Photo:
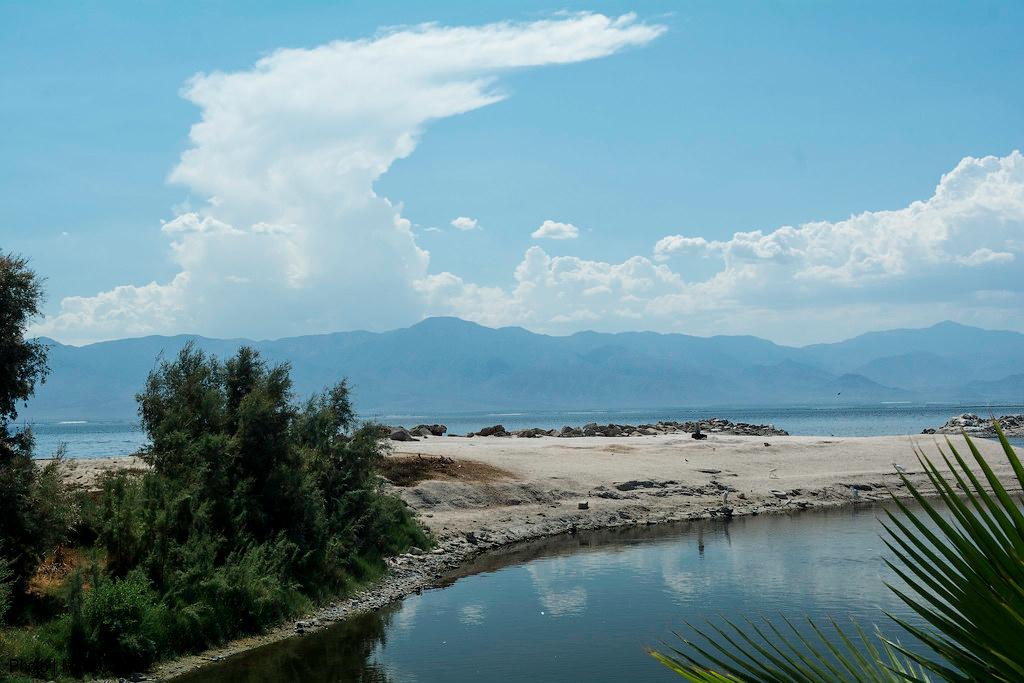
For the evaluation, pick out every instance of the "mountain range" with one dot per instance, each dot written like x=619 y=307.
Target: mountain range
x=447 y=364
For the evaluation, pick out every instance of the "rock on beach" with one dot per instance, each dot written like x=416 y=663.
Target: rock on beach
x=973 y=425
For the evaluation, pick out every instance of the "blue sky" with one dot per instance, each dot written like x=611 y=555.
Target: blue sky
x=723 y=118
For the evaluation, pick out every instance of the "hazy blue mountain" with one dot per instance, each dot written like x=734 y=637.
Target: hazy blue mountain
x=978 y=354
x=447 y=364
x=1006 y=390
x=920 y=371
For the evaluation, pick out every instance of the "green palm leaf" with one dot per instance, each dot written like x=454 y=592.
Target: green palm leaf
x=778 y=655
x=964 y=575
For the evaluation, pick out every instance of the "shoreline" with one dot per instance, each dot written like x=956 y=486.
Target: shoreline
x=532 y=489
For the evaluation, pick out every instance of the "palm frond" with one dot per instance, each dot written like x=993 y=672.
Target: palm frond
x=783 y=655
x=964 y=570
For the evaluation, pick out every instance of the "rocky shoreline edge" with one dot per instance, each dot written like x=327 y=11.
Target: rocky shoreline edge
x=419 y=570
x=713 y=425
x=1012 y=426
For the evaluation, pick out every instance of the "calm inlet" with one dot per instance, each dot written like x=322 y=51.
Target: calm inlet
x=584 y=607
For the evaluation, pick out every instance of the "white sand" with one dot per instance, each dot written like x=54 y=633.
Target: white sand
x=549 y=476
x=550 y=471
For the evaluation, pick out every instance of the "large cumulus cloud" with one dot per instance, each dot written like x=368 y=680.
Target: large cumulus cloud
x=291 y=237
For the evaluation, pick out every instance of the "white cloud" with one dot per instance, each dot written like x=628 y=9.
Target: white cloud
x=289 y=235
x=464 y=223
x=554 y=230
x=194 y=223
x=977 y=209
x=909 y=266
x=286 y=154
x=672 y=244
x=980 y=257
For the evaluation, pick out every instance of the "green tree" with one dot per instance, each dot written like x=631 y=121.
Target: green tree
x=22 y=361
x=256 y=504
x=34 y=506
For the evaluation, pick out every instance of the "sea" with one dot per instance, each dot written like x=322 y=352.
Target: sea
x=105 y=438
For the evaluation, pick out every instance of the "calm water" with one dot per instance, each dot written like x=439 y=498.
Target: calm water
x=584 y=607
x=87 y=439
x=98 y=439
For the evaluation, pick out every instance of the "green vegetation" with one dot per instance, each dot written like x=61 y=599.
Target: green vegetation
x=255 y=507
x=31 y=504
x=965 y=574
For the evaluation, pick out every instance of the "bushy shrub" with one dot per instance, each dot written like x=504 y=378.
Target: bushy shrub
x=117 y=626
x=249 y=591
x=6 y=588
x=37 y=508
x=255 y=505
x=36 y=652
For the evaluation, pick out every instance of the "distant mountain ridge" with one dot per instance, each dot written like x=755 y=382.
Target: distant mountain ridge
x=448 y=364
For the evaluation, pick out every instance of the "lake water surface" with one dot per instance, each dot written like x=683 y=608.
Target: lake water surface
x=584 y=607
x=92 y=439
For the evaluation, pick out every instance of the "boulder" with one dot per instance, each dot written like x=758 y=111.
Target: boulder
x=402 y=434
x=531 y=433
x=432 y=430
x=496 y=430
x=973 y=425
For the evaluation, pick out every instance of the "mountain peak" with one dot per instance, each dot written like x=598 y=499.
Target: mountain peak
x=442 y=322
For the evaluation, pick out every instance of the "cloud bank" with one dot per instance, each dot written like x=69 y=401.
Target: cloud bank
x=954 y=255
x=291 y=237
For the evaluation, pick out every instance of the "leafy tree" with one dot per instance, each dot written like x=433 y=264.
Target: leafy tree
x=22 y=361
x=255 y=504
x=34 y=505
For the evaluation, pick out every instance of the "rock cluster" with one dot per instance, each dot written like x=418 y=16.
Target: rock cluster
x=699 y=428
x=713 y=425
x=429 y=430
x=1013 y=425
x=403 y=434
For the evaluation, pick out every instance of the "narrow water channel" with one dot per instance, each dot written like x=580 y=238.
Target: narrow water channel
x=584 y=607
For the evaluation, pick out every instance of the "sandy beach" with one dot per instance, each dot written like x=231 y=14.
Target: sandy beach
x=483 y=493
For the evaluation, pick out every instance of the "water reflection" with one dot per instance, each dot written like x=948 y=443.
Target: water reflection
x=584 y=606
x=347 y=655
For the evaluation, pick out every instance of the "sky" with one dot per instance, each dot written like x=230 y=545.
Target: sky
x=800 y=171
